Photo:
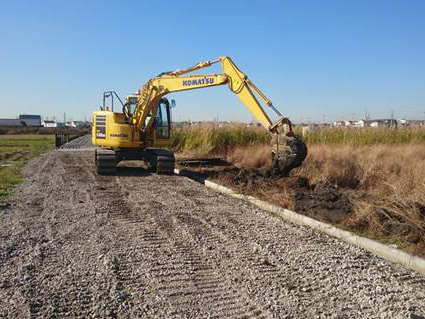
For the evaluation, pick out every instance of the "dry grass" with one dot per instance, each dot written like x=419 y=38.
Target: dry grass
x=388 y=184
x=366 y=136
x=382 y=170
x=213 y=140
x=251 y=156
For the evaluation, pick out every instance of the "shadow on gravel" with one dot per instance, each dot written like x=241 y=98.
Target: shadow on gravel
x=195 y=176
x=132 y=171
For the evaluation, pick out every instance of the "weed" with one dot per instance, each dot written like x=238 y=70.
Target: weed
x=15 y=150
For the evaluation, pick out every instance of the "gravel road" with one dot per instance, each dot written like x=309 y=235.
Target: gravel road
x=82 y=142
x=138 y=245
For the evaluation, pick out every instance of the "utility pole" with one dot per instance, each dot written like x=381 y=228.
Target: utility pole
x=366 y=115
x=392 y=117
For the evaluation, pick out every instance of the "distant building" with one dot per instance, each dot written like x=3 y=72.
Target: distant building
x=363 y=123
x=338 y=124
x=70 y=124
x=12 y=123
x=412 y=122
x=383 y=123
x=350 y=123
x=22 y=121
x=31 y=120
x=48 y=123
x=82 y=124
x=344 y=123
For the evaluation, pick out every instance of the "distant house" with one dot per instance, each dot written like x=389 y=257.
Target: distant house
x=338 y=124
x=412 y=122
x=383 y=123
x=31 y=120
x=363 y=123
x=350 y=123
x=376 y=124
x=82 y=124
x=70 y=124
x=48 y=123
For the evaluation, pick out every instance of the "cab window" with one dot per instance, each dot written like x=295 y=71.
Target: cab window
x=162 y=120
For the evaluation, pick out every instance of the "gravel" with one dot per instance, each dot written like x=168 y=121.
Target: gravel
x=82 y=142
x=141 y=245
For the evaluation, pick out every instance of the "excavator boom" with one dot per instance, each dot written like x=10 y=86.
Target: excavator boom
x=238 y=82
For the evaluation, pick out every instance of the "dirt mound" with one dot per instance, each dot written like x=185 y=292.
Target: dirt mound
x=322 y=201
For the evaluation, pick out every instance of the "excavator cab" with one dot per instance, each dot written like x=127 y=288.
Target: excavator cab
x=162 y=124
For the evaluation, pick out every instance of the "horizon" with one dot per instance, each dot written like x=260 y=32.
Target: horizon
x=216 y=120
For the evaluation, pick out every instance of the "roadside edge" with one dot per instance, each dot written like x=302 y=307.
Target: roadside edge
x=384 y=251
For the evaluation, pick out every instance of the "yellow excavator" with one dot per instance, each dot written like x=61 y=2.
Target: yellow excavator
x=142 y=130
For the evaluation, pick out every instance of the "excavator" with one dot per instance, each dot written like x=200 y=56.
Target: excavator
x=142 y=130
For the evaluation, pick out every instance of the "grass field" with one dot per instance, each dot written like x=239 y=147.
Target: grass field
x=213 y=140
x=366 y=136
x=387 y=184
x=15 y=150
x=209 y=139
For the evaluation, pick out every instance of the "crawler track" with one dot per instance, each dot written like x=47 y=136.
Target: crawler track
x=141 y=245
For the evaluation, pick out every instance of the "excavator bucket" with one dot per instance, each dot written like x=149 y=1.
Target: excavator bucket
x=288 y=153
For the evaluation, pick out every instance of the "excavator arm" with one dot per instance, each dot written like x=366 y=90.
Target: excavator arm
x=288 y=149
x=238 y=82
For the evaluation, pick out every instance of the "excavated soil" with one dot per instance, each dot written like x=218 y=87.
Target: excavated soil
x=323 y=201
x=138 y=245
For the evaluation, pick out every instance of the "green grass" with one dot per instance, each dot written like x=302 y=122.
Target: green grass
x=15 y=151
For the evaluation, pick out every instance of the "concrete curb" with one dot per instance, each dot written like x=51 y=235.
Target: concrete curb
x=387 y=252
x=75 y=149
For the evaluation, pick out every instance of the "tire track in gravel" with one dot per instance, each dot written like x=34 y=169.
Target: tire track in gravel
x=139 y=245
x=297 y=280
x=23 y=273
x=72 y=296
x=272 y=267
x=184 y=275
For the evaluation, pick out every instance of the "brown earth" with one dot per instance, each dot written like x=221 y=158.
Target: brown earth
x=323 y=201
x=138 y=245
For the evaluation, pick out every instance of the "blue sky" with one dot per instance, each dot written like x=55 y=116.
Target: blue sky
x=314 y=59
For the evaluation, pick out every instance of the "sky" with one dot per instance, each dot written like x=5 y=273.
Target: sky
x=316 y=60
